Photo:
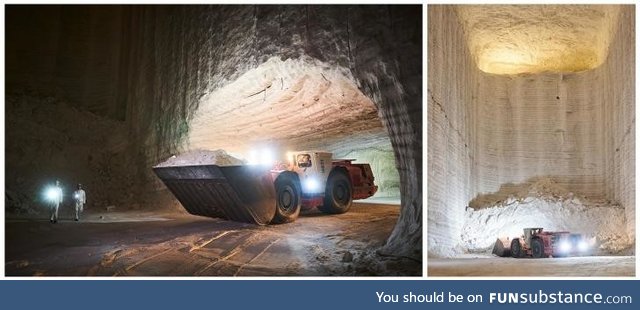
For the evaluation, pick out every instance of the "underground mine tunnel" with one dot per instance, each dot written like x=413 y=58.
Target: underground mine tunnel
x=99 y=95
x=531 y=123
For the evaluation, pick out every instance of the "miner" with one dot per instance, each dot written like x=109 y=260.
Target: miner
x=80 y=199
x=55 y=198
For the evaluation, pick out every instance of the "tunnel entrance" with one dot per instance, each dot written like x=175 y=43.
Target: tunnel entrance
x=293 y=105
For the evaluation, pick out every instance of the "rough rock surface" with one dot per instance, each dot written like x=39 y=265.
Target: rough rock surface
x=619 y=77
x=382 y=164
x=489 y=134
x=450 y=153
x=158 y=68
x=512 y=39
x=48 y=139
x=286 y=104
x=542 y=125
x=130 y=245
x=483 y=265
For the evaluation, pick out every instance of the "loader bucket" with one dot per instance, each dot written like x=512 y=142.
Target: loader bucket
x=502 y=247
x=237 y=193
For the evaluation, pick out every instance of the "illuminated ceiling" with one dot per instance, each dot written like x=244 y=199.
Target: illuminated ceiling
x=296 y=104
x=513 y=39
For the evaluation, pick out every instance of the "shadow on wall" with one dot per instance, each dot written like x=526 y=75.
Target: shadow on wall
x=541 y=186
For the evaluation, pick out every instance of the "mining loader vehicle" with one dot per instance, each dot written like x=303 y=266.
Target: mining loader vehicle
x=270 y=195
x=537 y=243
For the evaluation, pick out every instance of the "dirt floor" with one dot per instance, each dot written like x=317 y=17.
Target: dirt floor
x=491 y=266
x=151 y=244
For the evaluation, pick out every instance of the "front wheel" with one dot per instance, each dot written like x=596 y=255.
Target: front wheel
x=537 y=248
x=288 y=199
x=338 y=194
x=516 y=248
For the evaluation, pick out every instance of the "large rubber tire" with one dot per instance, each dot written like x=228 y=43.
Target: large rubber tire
x=288 y=199
x=338 y=196
x=516 y=248
x=537 y=248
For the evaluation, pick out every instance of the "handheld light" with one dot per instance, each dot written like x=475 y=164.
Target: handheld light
x=51 y=194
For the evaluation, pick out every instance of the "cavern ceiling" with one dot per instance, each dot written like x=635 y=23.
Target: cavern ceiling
x=514 y=39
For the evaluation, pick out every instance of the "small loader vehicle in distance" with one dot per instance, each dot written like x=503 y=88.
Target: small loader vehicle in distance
x=265 y=195
x=537 y=243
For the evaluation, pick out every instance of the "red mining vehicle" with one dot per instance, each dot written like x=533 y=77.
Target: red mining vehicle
x=537 y=243
x=263 y=195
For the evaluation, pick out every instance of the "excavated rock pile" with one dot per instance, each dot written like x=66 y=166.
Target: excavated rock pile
x=546 y=204
x=202 y=157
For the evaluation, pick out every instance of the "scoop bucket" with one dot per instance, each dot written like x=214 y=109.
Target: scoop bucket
x=502 y=247
x=237 y=193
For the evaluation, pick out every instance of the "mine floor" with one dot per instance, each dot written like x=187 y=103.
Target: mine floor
x=151 y=244
x=490 y=266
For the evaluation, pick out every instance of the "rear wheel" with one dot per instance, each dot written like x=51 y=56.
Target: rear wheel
x=287 y=199
x=537 y=248
x=338 y=194
x=516 y=248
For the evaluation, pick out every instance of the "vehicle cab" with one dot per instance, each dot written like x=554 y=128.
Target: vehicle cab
x=313 y=168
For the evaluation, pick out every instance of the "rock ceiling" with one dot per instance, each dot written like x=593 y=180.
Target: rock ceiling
x=513 y=39
x=286 y=104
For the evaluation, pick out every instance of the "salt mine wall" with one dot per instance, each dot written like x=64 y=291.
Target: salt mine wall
x=538 y=126
x=618 y=110
x=451 y=81
x=491 y=136
x=72 y=53
x=65 y=111
x=149 y=68
x=382 y=163
x=574 y=128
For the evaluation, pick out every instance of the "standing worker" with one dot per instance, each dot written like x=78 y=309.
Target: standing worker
x=54 y=194
x=80 y=198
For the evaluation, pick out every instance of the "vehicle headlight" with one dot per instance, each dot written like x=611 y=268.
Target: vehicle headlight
x=311 y=185
x=565 y=246
x=583 y=245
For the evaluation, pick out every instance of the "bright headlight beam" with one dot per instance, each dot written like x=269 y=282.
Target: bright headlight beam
x=266 y=157
x=311 y=185
x=253 y=158
x=583 y=246
x=565 y=246
x=263 y=157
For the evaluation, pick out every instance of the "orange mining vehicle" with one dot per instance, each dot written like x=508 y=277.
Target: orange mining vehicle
x=537 y=243
x=264 y=195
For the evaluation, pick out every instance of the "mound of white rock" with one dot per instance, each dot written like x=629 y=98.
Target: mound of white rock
x=544 y=204
x=202 y=157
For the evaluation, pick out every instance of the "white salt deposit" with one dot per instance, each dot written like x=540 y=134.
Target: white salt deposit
x=202 y=157
x=546 y=205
